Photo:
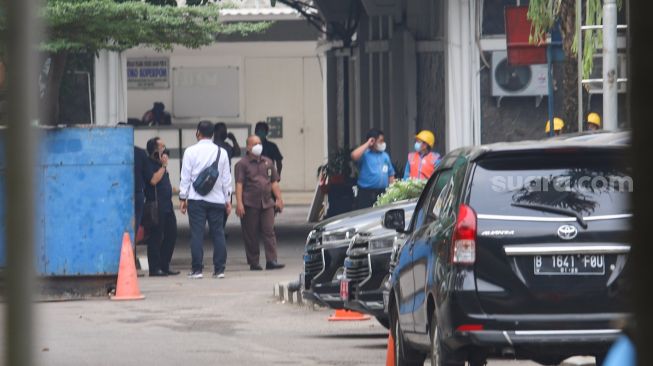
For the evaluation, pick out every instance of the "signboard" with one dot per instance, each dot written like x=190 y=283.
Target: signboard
x=276 y=127
x=518 y=30
x=148 y=73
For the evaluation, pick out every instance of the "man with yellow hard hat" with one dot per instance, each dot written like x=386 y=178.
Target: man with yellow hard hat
x=422 y=162
x=593 y=122
x=558 y=125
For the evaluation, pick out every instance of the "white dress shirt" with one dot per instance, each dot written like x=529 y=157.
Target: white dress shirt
x=197 y=158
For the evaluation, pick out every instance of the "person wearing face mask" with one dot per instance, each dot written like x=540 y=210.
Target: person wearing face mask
x=212 y=206
x=256 y=181
x=270 y=149
x=421 y=163
x=375 y=169
x=162 y=231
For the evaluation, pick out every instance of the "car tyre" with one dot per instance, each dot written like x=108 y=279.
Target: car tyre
x=405 y=355
x=440 y=354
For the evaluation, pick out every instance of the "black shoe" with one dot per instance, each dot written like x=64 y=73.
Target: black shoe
x=274 y=265
x=255 y=267
x=171 y=272
x=158 y=273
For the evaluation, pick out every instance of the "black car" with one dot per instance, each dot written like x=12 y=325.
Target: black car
x=367 y=268
x=326 y=249
x=515 y=250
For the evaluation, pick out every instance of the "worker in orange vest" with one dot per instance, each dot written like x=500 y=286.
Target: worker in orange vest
x=421 y=163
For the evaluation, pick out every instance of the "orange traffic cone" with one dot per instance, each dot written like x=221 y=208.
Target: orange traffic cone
x=127 y=286
x=347 y=315
x=390 y=354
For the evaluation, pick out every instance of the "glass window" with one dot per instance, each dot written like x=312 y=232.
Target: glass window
x=493 y=15
x=421 y=216
x=590 y=183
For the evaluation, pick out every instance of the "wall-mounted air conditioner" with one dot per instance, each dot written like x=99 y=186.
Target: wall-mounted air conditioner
x=517 y=81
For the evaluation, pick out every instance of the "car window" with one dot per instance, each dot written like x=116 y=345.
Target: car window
x=421 y=216
x=592 y=184
x=444 y=201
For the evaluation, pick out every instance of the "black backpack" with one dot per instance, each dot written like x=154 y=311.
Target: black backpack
x=206 y=179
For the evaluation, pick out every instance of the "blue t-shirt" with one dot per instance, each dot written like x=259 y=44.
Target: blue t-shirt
x=374 y=169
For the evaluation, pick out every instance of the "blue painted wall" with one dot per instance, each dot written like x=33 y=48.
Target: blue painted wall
x=85 y=197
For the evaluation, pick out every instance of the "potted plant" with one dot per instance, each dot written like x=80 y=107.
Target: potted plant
x=336 y=181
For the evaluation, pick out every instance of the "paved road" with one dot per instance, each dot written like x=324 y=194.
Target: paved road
x=234 y=321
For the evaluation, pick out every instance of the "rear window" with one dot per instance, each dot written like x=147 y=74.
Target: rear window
x=590 y=183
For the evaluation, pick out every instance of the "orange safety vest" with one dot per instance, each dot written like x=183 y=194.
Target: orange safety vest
x=422 y=167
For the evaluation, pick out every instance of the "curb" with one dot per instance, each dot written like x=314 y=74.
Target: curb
x=284 y=295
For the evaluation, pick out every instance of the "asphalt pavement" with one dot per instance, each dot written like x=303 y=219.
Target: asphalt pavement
x=231 y=321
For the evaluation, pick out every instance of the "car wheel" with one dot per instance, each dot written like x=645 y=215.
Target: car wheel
x=384 y=321
x=440 y=354
x=405 y=355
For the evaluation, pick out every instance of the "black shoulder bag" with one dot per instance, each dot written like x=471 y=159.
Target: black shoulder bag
x=206 y=179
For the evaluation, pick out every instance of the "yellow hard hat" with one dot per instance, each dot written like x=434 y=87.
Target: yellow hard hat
x=426 y=136
x=594 y=118
x=558 y=124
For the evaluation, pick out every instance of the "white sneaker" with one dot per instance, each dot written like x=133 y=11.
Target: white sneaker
x=218 y=275
x=195 y=275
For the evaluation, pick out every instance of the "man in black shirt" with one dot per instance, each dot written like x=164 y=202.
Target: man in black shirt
x=270 y=149
x=162 y=236
x=220 y=136
x=142 y=176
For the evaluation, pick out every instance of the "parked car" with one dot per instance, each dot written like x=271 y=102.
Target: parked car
x=326 y=249
x=367 y=268
x=515 y=250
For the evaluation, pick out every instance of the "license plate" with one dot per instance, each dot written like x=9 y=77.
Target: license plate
x=344 y=289
x=572 y=264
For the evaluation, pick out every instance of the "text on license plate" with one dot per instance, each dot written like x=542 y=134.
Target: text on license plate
x=569 y=264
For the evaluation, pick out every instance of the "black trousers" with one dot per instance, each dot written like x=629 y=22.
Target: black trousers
x=367 y=197
x=161 y=242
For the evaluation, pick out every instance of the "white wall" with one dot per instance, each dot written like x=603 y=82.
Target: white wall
x=276 y=79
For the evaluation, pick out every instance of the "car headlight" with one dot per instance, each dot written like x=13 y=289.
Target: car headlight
x=338 y=237
x=382 y=243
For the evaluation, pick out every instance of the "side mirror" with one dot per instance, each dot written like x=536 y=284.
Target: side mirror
x=395 y=220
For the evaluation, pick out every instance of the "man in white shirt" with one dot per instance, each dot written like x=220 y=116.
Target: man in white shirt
x=212 y=207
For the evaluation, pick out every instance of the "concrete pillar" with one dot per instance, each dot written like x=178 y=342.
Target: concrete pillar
x=402 y=93
x=610 y=87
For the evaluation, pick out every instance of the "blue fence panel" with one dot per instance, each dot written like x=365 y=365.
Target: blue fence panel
x=85 y=200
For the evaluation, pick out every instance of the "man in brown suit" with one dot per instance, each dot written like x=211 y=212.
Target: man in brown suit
x=256 y=180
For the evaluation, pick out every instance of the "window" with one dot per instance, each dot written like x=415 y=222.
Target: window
x=427 y=201
x=494 y=23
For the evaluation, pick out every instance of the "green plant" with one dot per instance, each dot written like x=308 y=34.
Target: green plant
x=401 y=190
x=544 y=13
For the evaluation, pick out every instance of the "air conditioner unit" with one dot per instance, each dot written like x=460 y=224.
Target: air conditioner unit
x=517 y=81
x=597 y=73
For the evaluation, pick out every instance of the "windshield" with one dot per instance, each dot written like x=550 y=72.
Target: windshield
x=594 y=185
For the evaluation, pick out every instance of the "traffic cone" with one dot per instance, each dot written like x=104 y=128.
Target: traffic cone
x=390 y=354
x=347 y=315
x=127 y=286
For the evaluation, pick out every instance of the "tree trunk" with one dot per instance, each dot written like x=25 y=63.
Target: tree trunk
x=50 y=101
x=570 y=82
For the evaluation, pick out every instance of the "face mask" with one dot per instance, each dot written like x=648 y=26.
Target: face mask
x=418 y=146
x=261 y=134
x=257 y=149
x=380 y=146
